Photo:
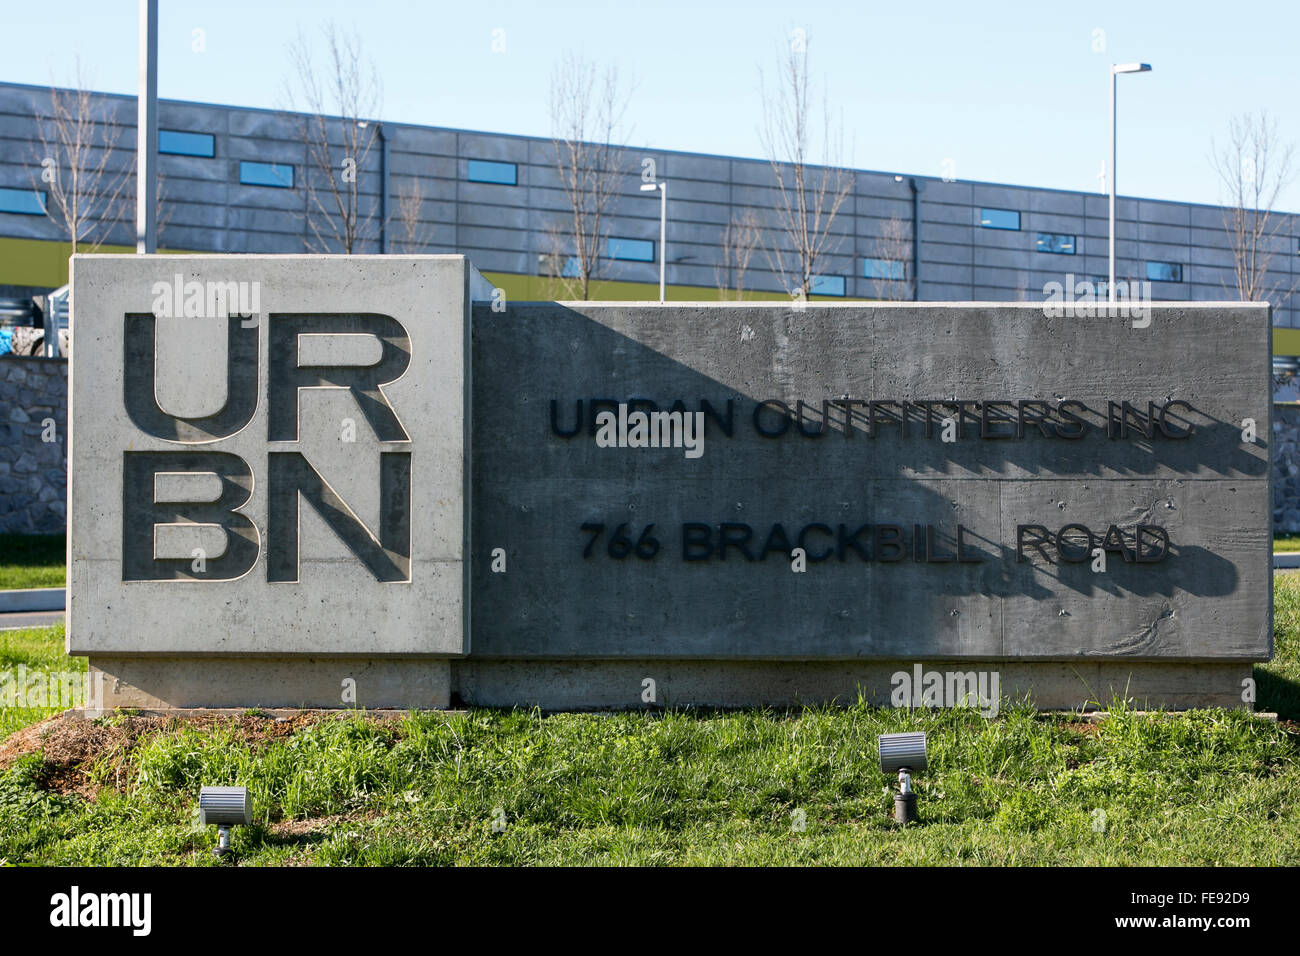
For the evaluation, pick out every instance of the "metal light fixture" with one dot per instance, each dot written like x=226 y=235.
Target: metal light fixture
x=225 y=807
x=903 y=754
x=1115 y=70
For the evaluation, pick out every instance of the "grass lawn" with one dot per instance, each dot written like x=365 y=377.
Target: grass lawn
x=32 y=561
x=1286 y=542
x=36 y=648
x=684 y=787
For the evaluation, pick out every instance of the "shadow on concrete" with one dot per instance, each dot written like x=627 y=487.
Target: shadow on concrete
x=539 y=476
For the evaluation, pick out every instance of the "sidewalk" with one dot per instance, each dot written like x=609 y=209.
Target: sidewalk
x=29 y=619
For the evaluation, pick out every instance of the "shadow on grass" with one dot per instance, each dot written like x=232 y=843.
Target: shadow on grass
x=32 y=560
x=1277 y=693
x=259 y=837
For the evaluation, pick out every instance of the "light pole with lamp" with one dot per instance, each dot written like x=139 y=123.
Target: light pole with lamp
x=663 y=228
x=146 y=144
x=1115 y=70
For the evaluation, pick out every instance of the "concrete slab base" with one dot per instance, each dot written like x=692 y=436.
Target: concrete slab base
x=377 y=683
x=371 y=683
x=621 y=685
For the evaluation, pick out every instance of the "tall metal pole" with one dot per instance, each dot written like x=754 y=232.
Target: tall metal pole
x=663 y=236
x=146 y=147
x=917 y=188
x=1110 y=282
x=383 y=188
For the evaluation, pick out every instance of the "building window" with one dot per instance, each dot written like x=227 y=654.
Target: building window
x=884 y=269
x=633 y=250
x=1000 y=219
x=486 y=171
x=827 y=285
x=279 y=175
x=554 y=266
x=1055 y=242
x=25 y=202
x=186 y=144
x=1164 y=272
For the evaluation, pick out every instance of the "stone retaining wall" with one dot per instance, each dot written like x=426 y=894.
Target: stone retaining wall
x=33 y=444
x=1286 y=468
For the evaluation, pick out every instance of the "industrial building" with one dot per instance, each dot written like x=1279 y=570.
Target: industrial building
x=234 y=180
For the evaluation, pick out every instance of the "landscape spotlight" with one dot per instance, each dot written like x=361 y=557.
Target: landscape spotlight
x=903 y=754
x=224 y=807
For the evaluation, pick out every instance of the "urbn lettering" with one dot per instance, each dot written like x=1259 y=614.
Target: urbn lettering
x=290 y=477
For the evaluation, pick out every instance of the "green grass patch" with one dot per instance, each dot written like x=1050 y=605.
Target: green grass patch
x=1286 y=542
x=28 y=655
x=753 y=787
x=1278 y=681
x=33 y=561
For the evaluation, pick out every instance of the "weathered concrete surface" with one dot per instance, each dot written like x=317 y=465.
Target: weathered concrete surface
x=560 y=630
x=134 y=587
x=1210 y=600
x=363 y=682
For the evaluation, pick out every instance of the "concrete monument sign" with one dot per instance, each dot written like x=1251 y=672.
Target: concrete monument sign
x=957 y=483
x=267 y=458
x=714 y=504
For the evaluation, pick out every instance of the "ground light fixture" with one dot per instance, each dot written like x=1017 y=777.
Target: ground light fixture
x=903 y=754
x=224 y=807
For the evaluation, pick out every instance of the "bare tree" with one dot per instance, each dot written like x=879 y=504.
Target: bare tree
x=740 y=237
x=337 y=132
x=892 y=248
x=808 y=197
x=557 y=266
x=413 y=233
x=1253 y=168
x=587 y=108
x=75 y=148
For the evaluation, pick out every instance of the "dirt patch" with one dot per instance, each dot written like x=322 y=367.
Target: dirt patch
x=289 y=829
x=1083 y=728
x=70 y=744
x=297 y=829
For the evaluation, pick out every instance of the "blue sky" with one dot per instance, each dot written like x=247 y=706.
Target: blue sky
x=1009 y=92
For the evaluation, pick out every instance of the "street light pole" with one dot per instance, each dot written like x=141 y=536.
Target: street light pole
x=663 y=236
x=146 y=144
x=1115 y=70
x=1110 y=272
x=663 y=229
